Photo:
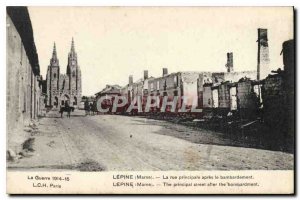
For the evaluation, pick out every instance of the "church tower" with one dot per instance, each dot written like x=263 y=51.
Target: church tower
x=74 y=74
x=53 y=79
x=72 y=68
x=62 y=88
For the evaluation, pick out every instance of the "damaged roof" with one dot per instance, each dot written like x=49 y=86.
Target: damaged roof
x=110 y=89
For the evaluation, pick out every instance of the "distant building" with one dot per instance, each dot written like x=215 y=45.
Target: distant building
x=62 y=88
x=189 y=85
x=139 y=88
x=107 y=95
x=109 y=90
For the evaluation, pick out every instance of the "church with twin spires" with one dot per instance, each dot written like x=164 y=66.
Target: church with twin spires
x=62 y=88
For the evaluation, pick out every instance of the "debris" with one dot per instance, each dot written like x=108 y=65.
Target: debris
x=24 y=153
x=28 y=144
x=90 y=165
x=51 y=144
x=28 y=129
x=34 y=132
x=10 y=155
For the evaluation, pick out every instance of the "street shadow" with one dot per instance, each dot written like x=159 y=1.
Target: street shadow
x=41 y=117
x=59 y=117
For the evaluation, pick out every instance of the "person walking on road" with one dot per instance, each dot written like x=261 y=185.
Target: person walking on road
x=86 y=107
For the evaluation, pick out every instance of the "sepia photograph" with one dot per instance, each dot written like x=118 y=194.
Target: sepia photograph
x=97 y=90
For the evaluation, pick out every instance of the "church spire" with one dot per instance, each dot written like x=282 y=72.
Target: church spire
x=72 y=53
x=72 y=58
x=54 y=60
x=72 y=46
x=54 y=55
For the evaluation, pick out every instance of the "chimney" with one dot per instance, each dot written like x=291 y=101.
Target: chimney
x=130 y=80
x=229 y=64
x=263 y=59
x=146 y=74
x=165 y=71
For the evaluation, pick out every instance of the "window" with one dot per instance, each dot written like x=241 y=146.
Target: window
x=176 y=93
x=73 y=74
x=175 y=79
x=24 y=99
x=75 y=101
x=54 y=75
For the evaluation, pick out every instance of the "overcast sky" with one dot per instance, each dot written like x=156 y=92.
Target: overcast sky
x=114 y=42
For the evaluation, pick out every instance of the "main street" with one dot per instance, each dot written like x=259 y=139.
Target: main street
x=113 y=142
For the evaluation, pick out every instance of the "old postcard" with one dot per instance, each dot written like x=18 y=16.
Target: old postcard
x=150 y=100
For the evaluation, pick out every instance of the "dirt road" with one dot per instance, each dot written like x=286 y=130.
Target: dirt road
x=111 y=142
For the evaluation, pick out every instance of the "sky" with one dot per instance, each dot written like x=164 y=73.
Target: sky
x=115 y=42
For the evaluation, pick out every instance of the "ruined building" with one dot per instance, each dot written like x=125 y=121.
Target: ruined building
x=223 y=91
x=288 y=52
x=217 y=89
x=278 y=95
x=62 y=88
x=263 y=59
x=229 y=64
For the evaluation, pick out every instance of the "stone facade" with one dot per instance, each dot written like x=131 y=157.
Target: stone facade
x=288 y=52
x=175 y=85
x=22 y=77
x=274 y=99
x=207 y=96
x=224 y=95
x=189 y=85
x=62 y=88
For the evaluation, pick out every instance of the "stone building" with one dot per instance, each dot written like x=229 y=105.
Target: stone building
x=109 y=91
x=139 y=88
x=278 y=96
x=176 y=84
x=107 y=96
x=62 y=88
x=274 y=100
x=224 y=95
x=43 y=95
x=278 y=92
x=215 y=88
x=189 y=85
x=220 y=89
x=288 y=52
x=22 y=76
